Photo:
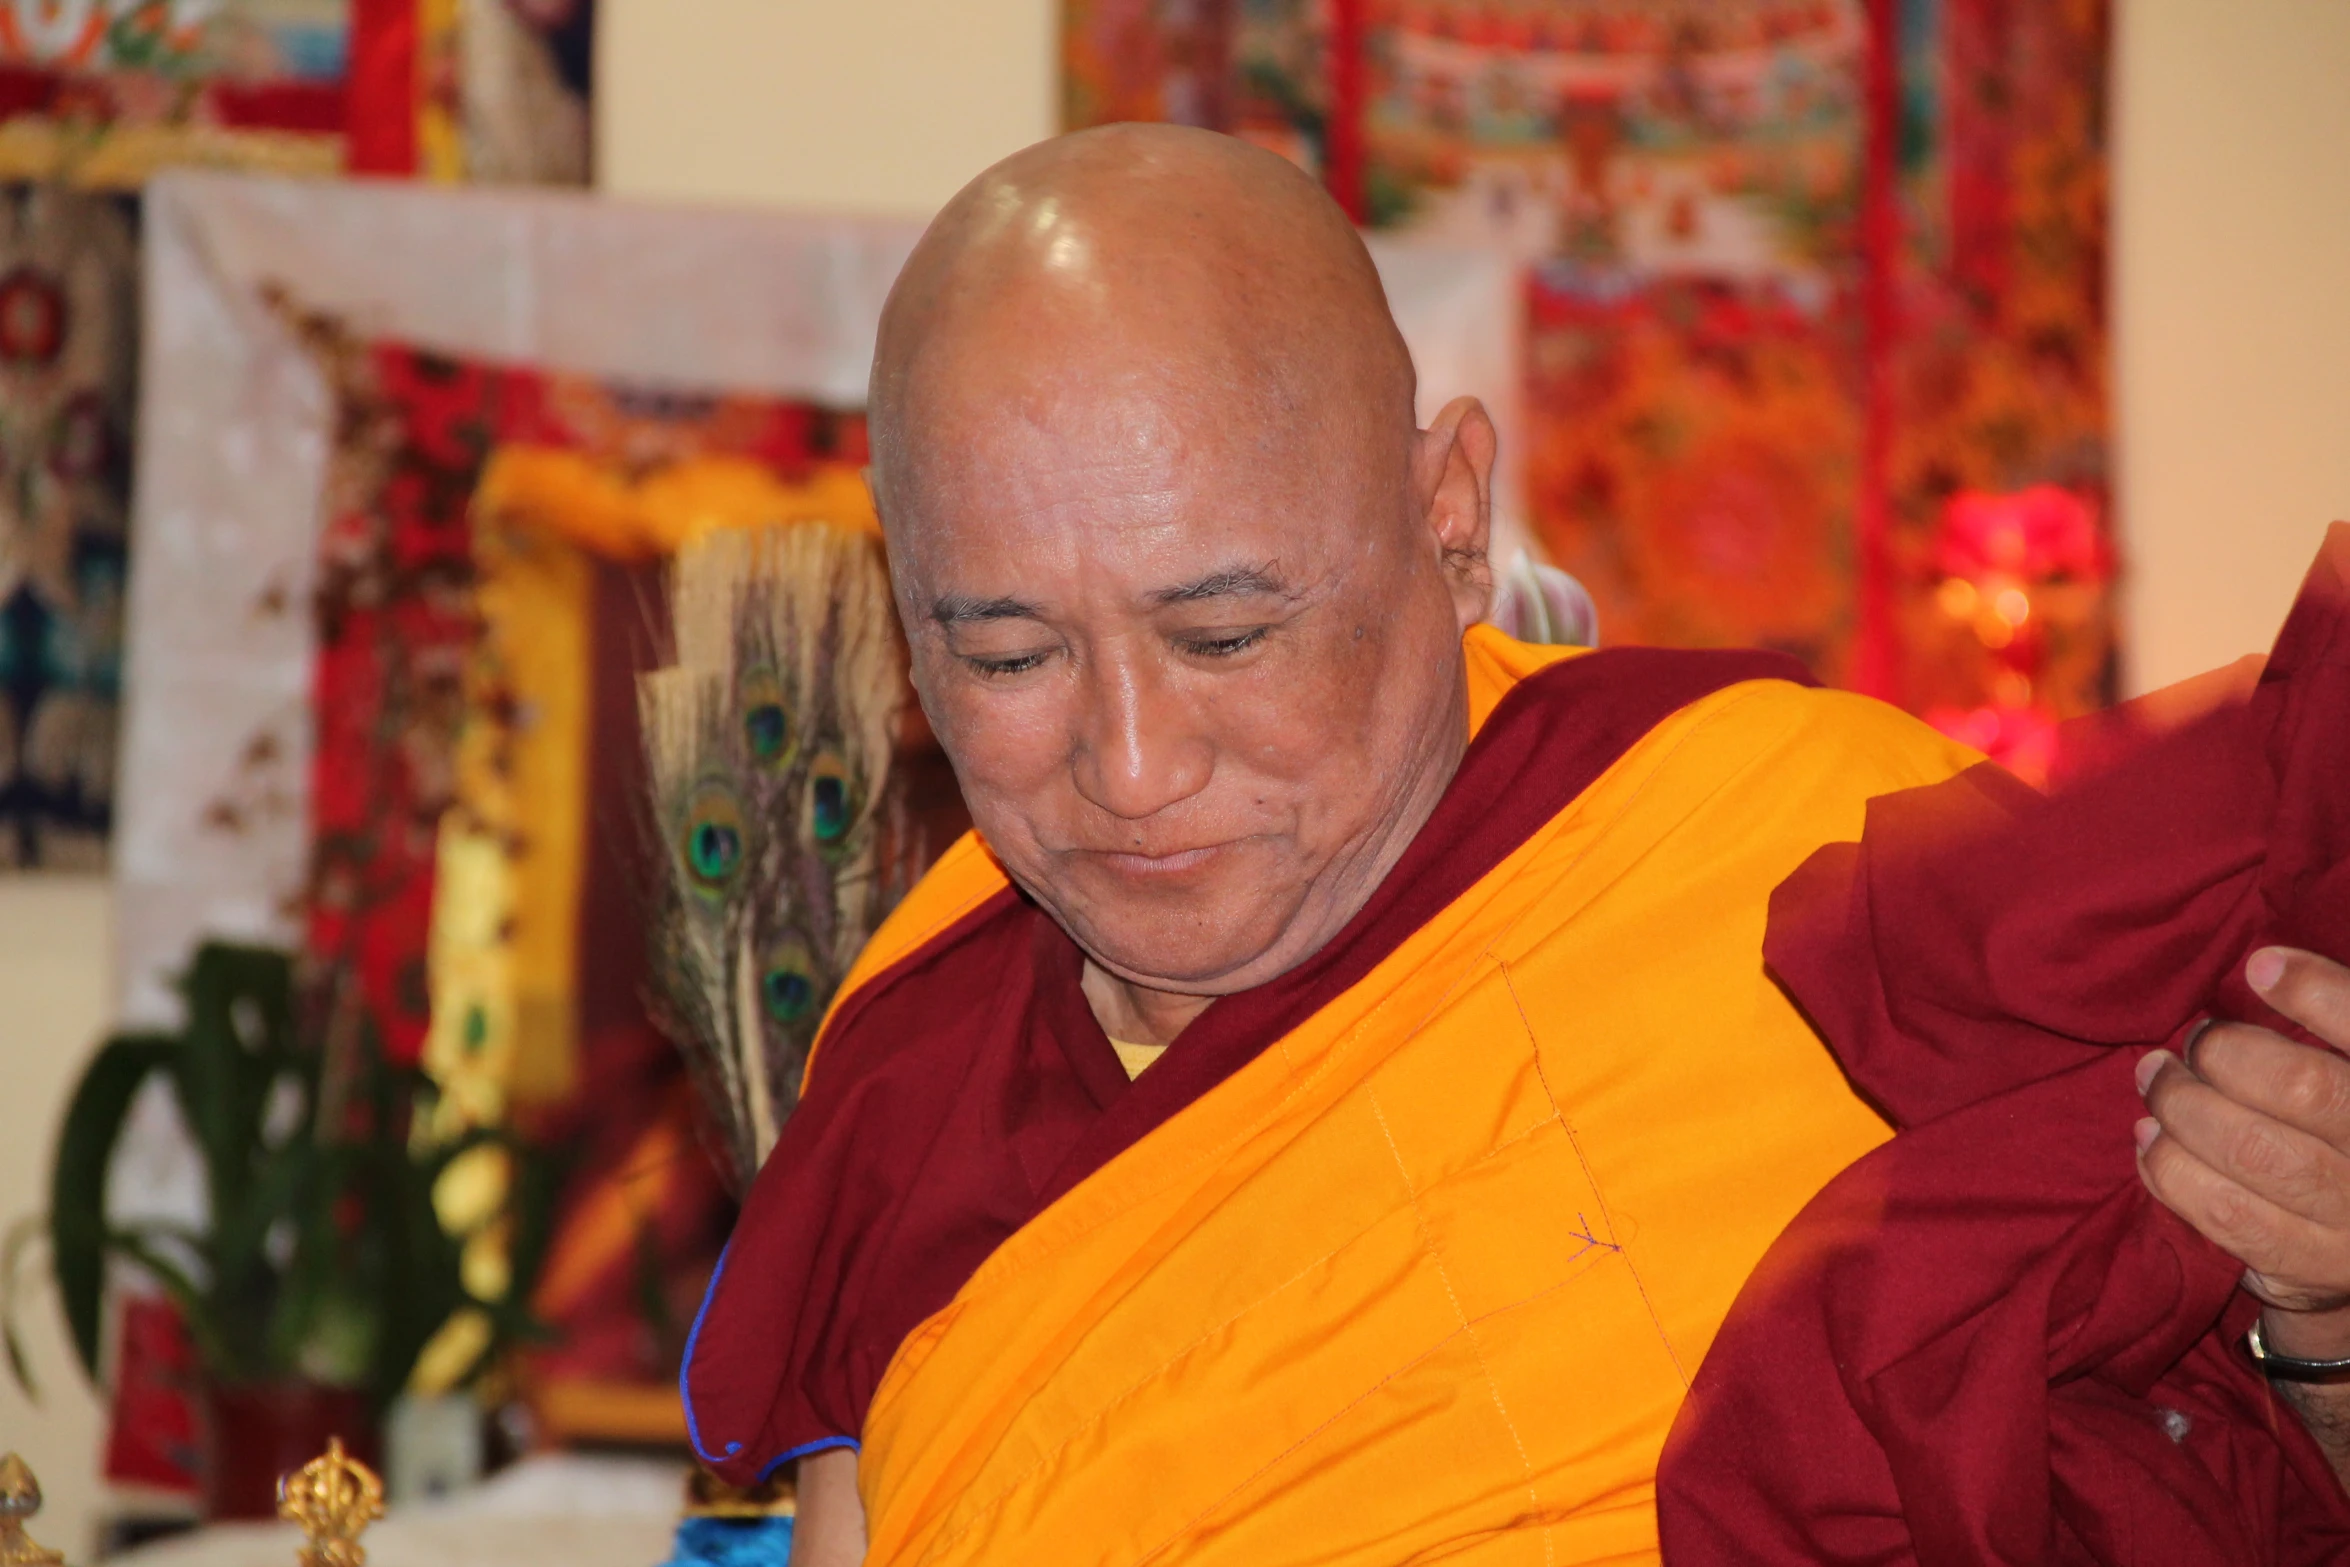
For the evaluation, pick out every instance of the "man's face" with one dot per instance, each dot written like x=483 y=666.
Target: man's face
x=1189 y=658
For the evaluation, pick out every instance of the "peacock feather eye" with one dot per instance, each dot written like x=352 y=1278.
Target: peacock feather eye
x=712 y=840
x=832 y=798
x=787 y=984
x=766 y=720
x=767 y=730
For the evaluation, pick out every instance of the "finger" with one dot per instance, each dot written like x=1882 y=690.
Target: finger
x=2302 y=1265
x=2313 y=991
x=2297 y=1172
x=2262 y=1070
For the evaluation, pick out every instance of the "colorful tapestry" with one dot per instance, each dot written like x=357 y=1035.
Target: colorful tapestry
x=68 y=301
x=104 y=92
x=95 y=96
x=1814 y=292
x=489 y=587
x=525 y=80
x=1995 y=390
x=486 y=90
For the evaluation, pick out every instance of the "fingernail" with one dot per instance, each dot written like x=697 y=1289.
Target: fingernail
x=2265 y=969
x=2149 y=1064
x=2144 y=1133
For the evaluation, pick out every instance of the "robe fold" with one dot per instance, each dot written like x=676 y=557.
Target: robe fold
x=1408 y=1253
x=1986 y=1342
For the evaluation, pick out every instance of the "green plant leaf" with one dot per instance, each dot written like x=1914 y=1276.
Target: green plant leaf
x=19 y=1367
x=237 y=1042
x=77 y=1180
x=287 y=1182
x=21 y=1234
x=323 y=1251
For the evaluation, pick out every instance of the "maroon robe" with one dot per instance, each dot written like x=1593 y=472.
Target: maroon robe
x=1985 y=1342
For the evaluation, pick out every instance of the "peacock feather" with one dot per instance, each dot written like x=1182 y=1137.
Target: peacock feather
x=769 y=745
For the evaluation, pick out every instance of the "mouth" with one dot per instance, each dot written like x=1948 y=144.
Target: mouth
x=1157 y=866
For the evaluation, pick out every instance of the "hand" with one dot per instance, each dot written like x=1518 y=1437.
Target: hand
x=2249 y=1142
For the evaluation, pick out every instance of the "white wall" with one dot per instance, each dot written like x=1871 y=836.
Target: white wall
x=870 y=106
x=56 y=987
x=2232 y=316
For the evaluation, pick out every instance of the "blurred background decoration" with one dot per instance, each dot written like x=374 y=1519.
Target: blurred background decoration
x=2019 y=581
x=1799 y=272
x=96 y=96
x=326 y=1274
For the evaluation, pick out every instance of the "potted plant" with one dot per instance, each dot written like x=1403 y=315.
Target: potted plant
x=322 y=1269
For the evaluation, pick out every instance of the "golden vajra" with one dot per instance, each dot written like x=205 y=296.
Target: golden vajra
x=334 y=1499
x=20 y=1498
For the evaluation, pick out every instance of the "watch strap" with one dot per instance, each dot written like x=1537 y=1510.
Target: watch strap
x=2290 y=1368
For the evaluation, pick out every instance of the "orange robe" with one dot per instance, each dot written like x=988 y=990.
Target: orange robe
x=1430 y=1273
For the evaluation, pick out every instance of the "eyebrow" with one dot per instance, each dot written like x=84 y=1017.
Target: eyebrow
x=1228 y=582
x=960 y=609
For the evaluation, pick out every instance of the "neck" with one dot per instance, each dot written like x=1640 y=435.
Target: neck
x=1136 y=1013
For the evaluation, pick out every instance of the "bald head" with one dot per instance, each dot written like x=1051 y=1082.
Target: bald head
x=1183 y=582
x=1193 y=261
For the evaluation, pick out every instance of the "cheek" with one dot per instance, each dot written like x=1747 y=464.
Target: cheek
x=1007 y=746
x=1313 y=715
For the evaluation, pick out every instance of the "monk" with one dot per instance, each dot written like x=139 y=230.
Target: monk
x=1326 y=1109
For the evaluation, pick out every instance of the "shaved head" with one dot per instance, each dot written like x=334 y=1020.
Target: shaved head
x=1215 y=264
x=1183 y=579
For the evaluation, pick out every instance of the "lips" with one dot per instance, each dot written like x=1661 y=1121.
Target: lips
x=1131 y=864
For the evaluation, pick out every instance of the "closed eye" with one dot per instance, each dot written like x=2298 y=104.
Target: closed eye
x=1223 y=646
x=997 y=668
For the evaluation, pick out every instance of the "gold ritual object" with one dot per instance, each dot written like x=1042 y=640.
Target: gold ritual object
x=334 y=1498
x=20 y=1499
x=707 y=1496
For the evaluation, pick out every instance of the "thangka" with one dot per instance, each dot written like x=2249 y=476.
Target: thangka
x=97 y=95
x=68 y=295
x=382 y=709
x=103 y=93
x=1807 y=280
x=488 y=589
x=1994 y=400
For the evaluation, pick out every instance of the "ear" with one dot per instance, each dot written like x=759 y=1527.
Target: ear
x=1452 y=480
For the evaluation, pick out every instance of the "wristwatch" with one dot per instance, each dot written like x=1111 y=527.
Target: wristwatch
x=2289 y=1368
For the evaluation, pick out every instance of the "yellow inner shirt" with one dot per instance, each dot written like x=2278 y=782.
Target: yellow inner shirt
x=1135 y=1057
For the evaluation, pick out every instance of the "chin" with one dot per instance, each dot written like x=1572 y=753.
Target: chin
x=1200 y=929
x=1171 y=952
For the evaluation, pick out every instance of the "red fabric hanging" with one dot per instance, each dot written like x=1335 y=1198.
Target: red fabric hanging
x=1343 y=149
x=1880 y=247
x=382 y=91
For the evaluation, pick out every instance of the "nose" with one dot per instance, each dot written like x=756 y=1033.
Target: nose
x=1139 y=747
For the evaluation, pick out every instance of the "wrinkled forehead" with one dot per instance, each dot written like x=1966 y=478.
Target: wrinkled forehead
x=1129 y=477
x=1047 y=394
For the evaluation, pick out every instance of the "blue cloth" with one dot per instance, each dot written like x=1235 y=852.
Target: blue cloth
x=731 y=1542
